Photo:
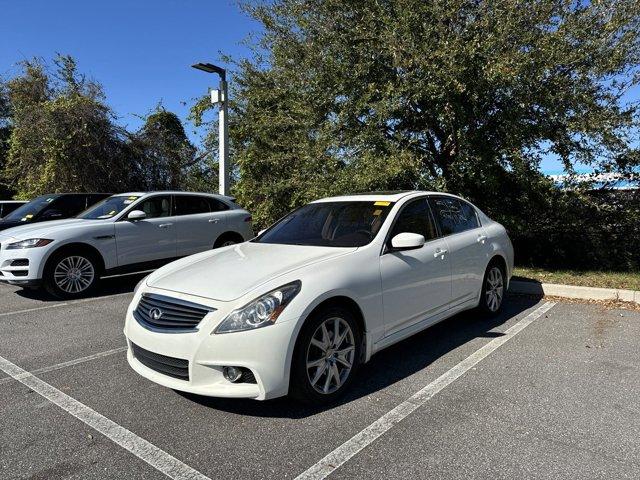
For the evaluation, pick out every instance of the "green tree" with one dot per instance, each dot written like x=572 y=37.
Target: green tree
x=166 y=158
x=462 y=95
x=5 y=133
x=63 y=136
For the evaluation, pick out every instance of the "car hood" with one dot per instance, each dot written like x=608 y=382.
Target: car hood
x=228 y=273
x=44 y=229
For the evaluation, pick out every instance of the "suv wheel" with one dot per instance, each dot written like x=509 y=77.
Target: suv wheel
x=71 y=275
x=326 y=357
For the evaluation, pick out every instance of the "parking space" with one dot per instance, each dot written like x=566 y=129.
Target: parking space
x=551 y=391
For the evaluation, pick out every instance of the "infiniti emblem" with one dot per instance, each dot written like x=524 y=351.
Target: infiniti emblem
x=155 y=313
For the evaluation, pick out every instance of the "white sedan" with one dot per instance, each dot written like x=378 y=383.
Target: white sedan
x=124 y=233
x=299 y=308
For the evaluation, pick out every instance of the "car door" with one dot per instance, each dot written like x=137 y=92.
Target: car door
x=148 y=240
x=198 y=226
x=467 y=245
x=416 y=284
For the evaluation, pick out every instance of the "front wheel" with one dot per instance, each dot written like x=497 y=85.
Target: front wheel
x=493 y=289
x=71 y=275
x=326 y=357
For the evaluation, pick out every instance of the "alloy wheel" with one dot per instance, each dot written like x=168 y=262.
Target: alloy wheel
x=330 y=355
x=494 y=290
x=74 y=274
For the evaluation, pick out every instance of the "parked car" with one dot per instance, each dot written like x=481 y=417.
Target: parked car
x=8 y=206
x=299 y=308
x=53 y=206
x=122 y=234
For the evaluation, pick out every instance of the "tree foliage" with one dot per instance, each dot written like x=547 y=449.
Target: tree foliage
x=462 y=95
x=63 y=137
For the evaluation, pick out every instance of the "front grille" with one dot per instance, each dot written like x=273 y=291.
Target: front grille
x=157 y=312
x=173 y=367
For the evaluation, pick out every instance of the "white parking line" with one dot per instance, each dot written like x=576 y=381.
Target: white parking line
x=154 y=456
x=358 y=442
x=63 y=304
x=70 y=363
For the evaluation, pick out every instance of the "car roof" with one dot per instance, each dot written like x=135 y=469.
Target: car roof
x=15 y=201
x=392 y=196
x=171 y=192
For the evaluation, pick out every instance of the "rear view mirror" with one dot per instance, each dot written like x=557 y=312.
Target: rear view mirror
x=135 y=215
x=407 y=241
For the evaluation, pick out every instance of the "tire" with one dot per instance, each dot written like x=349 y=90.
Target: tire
x=227 y=239
x=313 y=385
x=493 y=290
x=70 y=274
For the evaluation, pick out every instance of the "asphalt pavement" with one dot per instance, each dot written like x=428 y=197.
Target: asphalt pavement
x=543 y=391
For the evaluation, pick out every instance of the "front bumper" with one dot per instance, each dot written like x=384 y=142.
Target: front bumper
x=22 y=267
x=266 y=352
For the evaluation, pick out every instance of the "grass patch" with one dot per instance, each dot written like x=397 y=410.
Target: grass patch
x=624 y=280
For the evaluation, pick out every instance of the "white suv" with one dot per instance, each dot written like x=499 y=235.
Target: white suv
x=124 y=233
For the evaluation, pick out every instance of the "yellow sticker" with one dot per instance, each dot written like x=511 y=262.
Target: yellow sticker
x=377 y=212
x=132 y=198
x=29 y=216
x=112 y=212
x=382 y=204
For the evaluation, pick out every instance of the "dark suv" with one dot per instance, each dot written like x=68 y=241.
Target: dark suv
x=55 y=206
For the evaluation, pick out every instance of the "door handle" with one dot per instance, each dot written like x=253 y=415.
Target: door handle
x=214 y=220
x=165 y=225
x=481 y=238
x=440 y=252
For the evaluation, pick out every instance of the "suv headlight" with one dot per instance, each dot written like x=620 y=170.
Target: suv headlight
x=263 y=311
x=30 y=243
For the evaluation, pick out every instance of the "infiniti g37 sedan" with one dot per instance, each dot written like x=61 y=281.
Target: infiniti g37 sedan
x=124 y=233
x=300 y=307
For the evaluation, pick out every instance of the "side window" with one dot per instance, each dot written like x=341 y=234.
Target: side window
x=190 y=205
x=415 y=218
x=66 y=206
x=454 y=216
x=216 y=205
x=156 y=207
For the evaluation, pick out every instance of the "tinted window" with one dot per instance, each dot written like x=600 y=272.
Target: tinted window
x=454 y=216
x=217 y=205
x=415 y=218
x=156 y=207
x=67 y=205
x=32 y=209
x=331 y=224
x=191 y=205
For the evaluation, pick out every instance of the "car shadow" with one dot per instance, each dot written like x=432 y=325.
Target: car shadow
x=107 y=287
x=387 y=367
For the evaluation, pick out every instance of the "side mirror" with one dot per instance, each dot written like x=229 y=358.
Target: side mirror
x=407 y=241
x=135 y=215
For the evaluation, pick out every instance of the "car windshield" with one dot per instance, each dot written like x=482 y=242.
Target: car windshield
x=26 y=212
x=330 y=224
x=108 y=208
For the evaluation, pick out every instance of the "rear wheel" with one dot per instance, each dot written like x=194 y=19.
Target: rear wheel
x=71 y=275
x=326 y=357
x=227 y=239
x=493 y=289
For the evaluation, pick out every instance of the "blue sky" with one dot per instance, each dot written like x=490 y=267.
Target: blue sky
x=139 y=50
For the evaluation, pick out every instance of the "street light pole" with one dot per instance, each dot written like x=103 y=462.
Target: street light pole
x=219 y=97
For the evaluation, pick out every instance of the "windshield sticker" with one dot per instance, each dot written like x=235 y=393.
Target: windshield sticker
x=382 y=204
x=377 y=213
x=28 y=217
x=49 y=200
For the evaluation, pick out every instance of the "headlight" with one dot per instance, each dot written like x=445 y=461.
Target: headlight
x=31 y=243
x=263 y=311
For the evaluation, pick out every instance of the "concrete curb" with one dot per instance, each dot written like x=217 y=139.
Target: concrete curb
x=572 y=291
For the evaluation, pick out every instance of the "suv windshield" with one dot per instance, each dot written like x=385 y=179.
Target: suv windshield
x=108 y=207
x=26 y=212
x=330 y=224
